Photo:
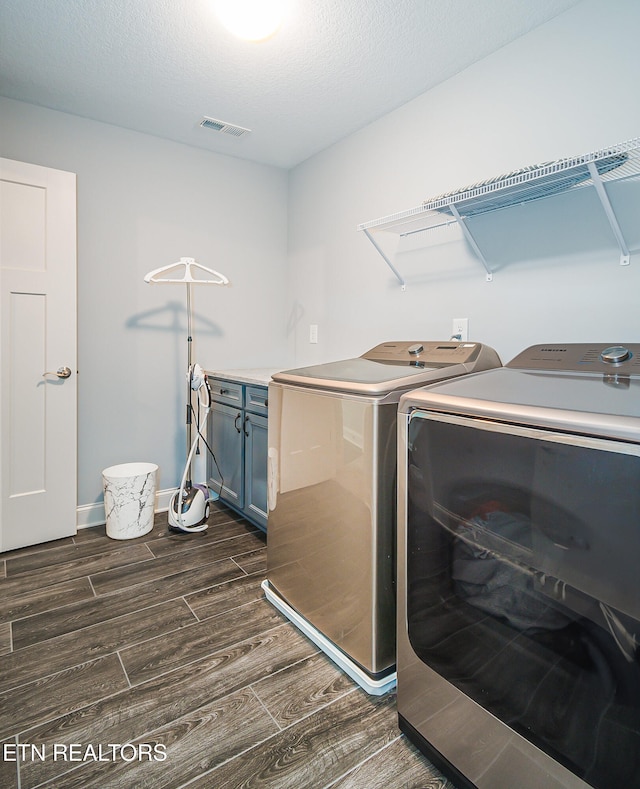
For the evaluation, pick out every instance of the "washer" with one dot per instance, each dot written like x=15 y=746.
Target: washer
x=518 y=579
x=332 y=492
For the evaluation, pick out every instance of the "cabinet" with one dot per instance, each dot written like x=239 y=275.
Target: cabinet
x=618 y=163
x=237 y=436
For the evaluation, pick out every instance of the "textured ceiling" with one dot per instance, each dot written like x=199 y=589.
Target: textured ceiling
x=159 y=66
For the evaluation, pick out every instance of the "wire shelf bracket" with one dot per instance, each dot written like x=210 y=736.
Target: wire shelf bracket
x=625 y=255
x=399 y=277
x=471 y=241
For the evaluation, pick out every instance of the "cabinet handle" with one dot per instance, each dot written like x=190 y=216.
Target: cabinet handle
x=244 y=426
x=235 y=423
x=223 y=391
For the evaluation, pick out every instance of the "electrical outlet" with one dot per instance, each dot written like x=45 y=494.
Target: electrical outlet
x=460 y=329
x=313 y=333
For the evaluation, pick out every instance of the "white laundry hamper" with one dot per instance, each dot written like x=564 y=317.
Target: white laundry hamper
x=129 y=499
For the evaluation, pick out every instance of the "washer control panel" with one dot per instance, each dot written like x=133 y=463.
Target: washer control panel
x=581 y=358
x=429 y=353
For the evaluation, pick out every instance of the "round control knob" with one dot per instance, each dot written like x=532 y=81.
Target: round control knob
x=615 y=354
x=416 y=349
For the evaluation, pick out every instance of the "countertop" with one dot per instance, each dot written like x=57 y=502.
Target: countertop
x=259 y=376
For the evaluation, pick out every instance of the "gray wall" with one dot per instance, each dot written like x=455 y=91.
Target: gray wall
x=144 y=202
x=569 y=87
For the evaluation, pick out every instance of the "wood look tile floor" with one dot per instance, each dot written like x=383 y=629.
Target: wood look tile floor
x=165 y=645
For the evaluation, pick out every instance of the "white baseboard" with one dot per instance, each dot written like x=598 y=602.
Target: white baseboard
x=88 y=515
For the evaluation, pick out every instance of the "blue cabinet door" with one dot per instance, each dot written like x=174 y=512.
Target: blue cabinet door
x=255 y=503
x=226 y=440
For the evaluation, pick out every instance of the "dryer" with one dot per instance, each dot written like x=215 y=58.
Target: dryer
x=518 y=571
x=332 y=493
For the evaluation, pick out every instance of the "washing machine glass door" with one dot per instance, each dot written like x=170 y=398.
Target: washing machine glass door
x=523 y=589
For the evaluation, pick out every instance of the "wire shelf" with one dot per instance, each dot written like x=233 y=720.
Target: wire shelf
x=616 y=163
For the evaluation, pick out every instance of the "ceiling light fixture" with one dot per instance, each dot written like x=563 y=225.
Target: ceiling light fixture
x=253 y=20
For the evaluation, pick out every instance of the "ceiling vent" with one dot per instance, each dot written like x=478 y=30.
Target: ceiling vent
x=223 y=127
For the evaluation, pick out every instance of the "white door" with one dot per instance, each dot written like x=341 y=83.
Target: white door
x=38 y=433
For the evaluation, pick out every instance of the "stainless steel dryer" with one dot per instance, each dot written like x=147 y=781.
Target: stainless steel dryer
x=518 y=571
x=332 y=492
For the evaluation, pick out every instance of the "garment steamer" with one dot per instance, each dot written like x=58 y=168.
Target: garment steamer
x=189 y=506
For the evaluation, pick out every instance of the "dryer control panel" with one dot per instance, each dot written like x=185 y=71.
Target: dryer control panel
x=602 y=358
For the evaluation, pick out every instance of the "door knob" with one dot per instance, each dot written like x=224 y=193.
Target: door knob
x=61 y=372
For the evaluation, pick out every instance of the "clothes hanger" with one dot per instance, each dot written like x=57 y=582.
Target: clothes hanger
x=187 y=277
